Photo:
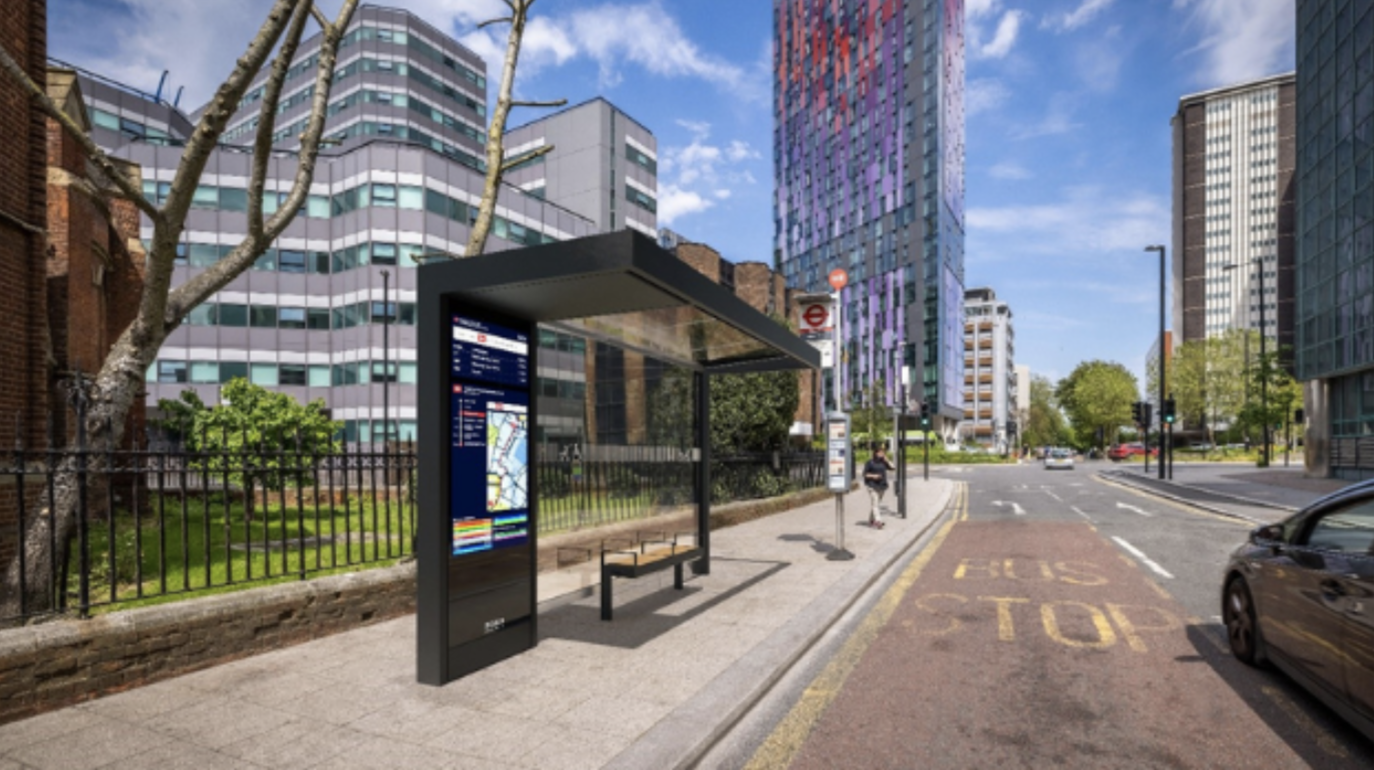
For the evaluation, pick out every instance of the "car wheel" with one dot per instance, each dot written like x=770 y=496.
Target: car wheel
x=1242 y=630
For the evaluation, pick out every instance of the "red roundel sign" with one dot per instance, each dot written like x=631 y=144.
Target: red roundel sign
x=816 y=316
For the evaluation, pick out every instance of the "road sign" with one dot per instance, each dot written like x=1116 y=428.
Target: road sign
x=838 y=279
x=815 y=316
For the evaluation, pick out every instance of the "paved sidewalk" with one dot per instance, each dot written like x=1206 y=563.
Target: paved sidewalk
x=1258 y=494
x=650 y=690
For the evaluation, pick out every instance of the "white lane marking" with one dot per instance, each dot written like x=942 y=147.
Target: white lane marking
x=1136 y=552
x=1074 y=508
x=1051 y=494
x=1133 y=508
x=1015 y=508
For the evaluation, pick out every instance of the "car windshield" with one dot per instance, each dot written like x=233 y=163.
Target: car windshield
x=1060 y=453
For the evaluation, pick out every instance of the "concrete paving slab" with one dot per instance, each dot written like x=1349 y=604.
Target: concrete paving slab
x=649 y=689
x=95 y=745
x=175 y=756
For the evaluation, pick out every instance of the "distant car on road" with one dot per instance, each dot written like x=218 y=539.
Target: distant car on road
x=1059 y=458
x=1126 y=451
x=1299 y=594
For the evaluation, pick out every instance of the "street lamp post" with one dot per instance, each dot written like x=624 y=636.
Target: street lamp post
x=1162 y=365
x=1264 y=372
x=386 y=357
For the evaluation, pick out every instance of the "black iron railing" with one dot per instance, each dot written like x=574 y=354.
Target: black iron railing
x=157 y=521
x=154 y=521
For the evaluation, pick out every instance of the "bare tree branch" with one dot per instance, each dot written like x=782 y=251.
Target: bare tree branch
x=319 y=17
x=267 y=120
x=554 y=103
x=490 y=22
x=216 y=116
x=97 y=156
x=217 y=276
x=496 y=165
x=525 y=158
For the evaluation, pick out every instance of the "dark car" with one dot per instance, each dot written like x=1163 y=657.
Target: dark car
x=1300 y=594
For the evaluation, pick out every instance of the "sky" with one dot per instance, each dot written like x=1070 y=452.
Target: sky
x=1068 y=137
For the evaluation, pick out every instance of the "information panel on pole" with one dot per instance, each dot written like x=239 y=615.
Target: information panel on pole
x=837 y=453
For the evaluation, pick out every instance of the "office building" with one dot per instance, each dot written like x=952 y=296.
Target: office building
x=990 y=388
x=1233 y=200
x=329 y=312
x=1335 y=241
x=869 y=177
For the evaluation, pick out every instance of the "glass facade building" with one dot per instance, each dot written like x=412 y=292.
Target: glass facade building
x=329 y=311
x=1335 y=266
x=869 y=176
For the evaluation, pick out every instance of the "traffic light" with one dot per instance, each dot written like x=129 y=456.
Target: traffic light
x=1147 y=413
x=1169 y=415
x=1298 y=416
x=1138 y=413
x=925 y=414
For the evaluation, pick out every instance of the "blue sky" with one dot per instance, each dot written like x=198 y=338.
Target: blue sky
x=1068 y=143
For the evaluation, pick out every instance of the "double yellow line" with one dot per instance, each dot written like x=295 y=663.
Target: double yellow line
x=787 y=739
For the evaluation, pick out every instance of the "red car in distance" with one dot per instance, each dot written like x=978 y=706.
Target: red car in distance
x=1127 y=451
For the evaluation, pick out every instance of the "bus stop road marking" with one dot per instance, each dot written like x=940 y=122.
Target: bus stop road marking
x=1024 y=643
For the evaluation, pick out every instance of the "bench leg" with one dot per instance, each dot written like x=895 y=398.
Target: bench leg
x=677 y=576
x=605 y=594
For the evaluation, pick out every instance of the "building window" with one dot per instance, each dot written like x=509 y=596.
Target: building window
x=292 y=374
x=291 y=317
x=171 y=371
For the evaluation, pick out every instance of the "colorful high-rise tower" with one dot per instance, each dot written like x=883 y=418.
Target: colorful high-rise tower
x=869 y=176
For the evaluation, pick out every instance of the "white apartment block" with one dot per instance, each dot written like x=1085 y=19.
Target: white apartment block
x=990 y=387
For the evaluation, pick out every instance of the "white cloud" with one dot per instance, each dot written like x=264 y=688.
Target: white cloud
x=691 y=176
x=675 y=203
x=644 y=36
x=1058 y=119
x=1084 y=13
x=984 y=95
x=977 y=9
x=200 y=47
x=1004 y=38
x=1009 y=170
x=1085 y=223
x=1242 y=39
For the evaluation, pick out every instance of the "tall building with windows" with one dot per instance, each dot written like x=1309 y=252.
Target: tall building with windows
x=1335 y=232
x=329 y=311
x=868 y=156
x=1233 y=248
x=603 y=165
x=990 y=387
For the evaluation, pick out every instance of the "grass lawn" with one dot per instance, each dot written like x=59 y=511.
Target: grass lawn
x=201 y=543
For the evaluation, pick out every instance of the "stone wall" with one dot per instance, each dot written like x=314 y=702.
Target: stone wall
x=57 y=664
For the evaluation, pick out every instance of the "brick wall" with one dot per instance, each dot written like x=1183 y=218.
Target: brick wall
x=702 y=258
x=24 y=396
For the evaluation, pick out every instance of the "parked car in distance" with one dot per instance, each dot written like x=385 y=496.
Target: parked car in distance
x=1297 y=594
x=1200 y=446
x=1059 y=458
x=1126 y=451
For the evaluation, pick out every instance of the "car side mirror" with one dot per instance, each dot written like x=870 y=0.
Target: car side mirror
x=1271 y=534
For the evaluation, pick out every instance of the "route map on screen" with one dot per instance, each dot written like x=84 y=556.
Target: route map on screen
x=489 y=457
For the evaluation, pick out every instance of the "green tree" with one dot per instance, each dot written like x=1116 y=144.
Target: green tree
x=256 y=437
x=1207 y=379
x=1097 y=394
x=752 y=412
x=1045 y=424
x=1283 y=397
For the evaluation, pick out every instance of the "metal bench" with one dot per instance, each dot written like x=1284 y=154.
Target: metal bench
x=650 y=555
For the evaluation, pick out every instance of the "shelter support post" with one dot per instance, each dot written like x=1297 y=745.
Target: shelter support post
x=702 y=566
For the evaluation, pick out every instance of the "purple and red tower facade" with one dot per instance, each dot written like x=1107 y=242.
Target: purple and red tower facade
x=868 y=157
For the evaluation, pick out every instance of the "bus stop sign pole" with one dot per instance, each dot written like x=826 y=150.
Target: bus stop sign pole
x=839 y=470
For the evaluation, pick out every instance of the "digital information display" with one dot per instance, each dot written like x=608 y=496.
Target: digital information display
x=489 y=457
x=486 y=352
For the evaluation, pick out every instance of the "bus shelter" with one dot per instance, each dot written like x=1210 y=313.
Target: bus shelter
x=478 y=409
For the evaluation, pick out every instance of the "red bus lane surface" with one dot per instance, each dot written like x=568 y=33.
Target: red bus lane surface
x=1036 y=644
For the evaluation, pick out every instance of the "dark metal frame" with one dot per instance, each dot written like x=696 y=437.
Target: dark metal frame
x=601 y=275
